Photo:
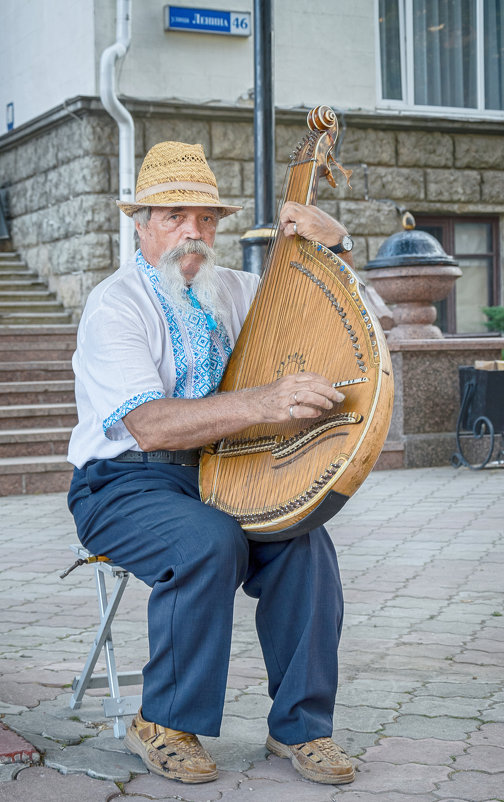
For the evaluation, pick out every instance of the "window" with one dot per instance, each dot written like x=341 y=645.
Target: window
x=474 y=244
x=445 y=54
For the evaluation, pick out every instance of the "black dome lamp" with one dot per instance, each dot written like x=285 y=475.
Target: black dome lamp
x=410 y=247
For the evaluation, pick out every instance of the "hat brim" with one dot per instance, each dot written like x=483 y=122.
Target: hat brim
x=204 y=200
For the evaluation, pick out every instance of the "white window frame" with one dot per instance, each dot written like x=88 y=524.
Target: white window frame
x=407 y=104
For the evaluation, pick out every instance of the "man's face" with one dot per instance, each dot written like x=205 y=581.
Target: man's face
x=168 y=228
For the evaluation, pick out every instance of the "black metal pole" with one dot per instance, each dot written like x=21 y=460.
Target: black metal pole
x=254 y=242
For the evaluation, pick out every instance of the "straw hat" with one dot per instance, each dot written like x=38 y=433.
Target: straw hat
x=176 y=174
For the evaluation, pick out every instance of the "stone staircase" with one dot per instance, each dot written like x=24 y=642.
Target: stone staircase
x=37 y=405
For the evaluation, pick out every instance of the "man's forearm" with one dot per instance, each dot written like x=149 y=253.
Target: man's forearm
x=180 y=423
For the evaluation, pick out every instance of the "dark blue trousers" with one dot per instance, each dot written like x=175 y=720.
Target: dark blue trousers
x=148 y=518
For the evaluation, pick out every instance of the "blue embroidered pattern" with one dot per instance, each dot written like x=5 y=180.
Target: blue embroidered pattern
x=200 y=353
x=131 y=403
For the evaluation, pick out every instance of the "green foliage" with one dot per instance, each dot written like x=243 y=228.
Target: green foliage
x=495 y=315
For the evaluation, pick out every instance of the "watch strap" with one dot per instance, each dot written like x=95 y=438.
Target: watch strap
x=339 y=247
x=336 y=248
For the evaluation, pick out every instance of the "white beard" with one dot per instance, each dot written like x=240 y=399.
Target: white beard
x=204 y=284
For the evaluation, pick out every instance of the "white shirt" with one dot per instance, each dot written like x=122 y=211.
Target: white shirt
x=125 y=356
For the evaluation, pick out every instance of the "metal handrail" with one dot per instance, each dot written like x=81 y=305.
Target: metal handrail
x=482 y=425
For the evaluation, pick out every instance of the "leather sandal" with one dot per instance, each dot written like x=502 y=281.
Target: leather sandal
x=321 y=760
x=173 y=754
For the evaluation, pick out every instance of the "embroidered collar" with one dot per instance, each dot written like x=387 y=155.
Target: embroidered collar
x=201 y=348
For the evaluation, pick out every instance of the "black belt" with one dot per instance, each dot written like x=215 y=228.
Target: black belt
x=189 y=458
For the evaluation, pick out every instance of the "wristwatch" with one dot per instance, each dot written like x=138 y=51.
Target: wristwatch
x=344 y=246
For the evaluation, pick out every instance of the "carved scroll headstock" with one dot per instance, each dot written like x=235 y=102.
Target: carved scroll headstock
x=323 y=118
x=317 y=147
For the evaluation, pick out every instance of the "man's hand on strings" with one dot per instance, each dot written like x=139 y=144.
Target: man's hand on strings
x=300 y=395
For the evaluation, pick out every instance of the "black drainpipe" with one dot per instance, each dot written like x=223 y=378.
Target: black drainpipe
x=255 y=241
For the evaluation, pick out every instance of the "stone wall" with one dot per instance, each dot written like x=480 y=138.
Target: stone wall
x=59 y=188
x=61 y=173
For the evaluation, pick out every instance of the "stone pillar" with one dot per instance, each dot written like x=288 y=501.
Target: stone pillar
x=414 y=289
x=427 y=398
x=412 y=271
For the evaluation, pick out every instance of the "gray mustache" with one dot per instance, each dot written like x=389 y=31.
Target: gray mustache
x=192 y=246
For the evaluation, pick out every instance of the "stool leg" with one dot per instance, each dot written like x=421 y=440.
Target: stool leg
x=115 y=693
x=107 y=612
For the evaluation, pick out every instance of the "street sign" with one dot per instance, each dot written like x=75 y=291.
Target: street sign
x=207 y=20
x=9 y=116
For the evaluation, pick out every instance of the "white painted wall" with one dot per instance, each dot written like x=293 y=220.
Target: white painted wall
x=46 y=55
x=188 y=66
x=50 y=51
x=324 y=52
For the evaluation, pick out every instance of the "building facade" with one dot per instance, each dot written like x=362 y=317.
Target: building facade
x=418 y=87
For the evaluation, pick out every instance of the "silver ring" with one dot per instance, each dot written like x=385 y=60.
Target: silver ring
x=290 y=411
x=295 y=398
x=295 y=228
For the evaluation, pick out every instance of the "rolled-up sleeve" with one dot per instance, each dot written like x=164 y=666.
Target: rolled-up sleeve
x=115 y=365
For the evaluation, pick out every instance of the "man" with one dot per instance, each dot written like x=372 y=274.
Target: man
x=153 y=343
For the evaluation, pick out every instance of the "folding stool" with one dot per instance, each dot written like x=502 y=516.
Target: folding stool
x=116 y=706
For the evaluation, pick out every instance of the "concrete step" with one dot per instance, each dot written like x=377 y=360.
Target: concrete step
x=31 y=334
x=33 y=331
x=8 y=260
x=23 y=304
x=14 y=264
x=43 y=474
x=34 y=416
x=20 y=352
x=37 y=402
x=27 y=343
x=19 y=347
x=9 y=274
x=54 y=370
x=9 y=255
x=30 y=281
x=34 y=442
x=36 y=392
x=14 y=295
x=32 y=318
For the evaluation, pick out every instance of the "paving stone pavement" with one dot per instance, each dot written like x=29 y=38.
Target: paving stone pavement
x=421 y=700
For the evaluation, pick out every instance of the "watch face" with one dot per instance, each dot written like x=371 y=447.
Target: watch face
x=347 y=243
